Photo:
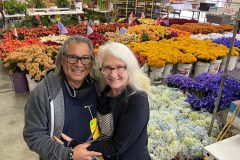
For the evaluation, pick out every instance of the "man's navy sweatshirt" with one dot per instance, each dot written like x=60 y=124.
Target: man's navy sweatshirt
x=77 y=115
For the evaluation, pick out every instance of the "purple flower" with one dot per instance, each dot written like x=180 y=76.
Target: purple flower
x=203 y=89
x=226 y=41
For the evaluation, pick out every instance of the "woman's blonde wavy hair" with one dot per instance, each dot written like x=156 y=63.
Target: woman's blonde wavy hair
x=136 y=78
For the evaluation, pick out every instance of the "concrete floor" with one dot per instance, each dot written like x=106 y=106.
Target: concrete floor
x=12 y=145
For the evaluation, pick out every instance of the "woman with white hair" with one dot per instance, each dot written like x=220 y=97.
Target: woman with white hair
x=124 y=111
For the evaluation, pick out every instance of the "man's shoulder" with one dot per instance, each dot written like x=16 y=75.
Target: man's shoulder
x=49 y=85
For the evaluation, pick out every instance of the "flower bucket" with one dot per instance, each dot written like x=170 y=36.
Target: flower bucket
x=238 y=63
x=31 y=83
x=156 y=74
x=232 y=63
x=19 y=82
x=167 y=70
x=214 y=66
x=201 y=67
x=145 y=68
x=184 y=69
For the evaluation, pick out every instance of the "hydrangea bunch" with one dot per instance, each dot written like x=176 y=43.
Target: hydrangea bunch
x=174 y=128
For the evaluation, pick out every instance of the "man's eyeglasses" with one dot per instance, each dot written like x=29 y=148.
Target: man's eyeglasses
x=74 y=59
x=108 y=69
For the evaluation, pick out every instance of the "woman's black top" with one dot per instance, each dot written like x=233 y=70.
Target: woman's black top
x=130 y=115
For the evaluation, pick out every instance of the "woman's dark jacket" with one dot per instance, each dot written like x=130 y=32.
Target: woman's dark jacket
x=130 y=112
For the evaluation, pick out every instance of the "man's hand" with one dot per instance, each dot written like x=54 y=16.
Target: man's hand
x=81 y=153
x=64 y=136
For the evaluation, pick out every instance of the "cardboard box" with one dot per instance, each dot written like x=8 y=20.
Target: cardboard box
x=227 y=149
x=232 y=108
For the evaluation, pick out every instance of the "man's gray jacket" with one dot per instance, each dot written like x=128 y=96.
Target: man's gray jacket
x=44 y=117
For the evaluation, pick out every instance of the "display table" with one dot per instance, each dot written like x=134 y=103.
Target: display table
x=49 y=9
x=228 y=149
x=8 y=18
x=70 y=12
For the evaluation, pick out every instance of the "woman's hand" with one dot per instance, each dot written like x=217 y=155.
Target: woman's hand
x=81 y=153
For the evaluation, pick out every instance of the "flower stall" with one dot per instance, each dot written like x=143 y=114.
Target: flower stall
x=186 y=57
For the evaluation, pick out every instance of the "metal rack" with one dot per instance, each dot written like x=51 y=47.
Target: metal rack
x=224 y=74
x=126 y=7
x=136 y=6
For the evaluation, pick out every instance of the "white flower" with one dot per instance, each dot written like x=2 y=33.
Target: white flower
x=174 y=128
x=58 y=39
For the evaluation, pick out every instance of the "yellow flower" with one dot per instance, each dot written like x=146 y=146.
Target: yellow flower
x=155 y=62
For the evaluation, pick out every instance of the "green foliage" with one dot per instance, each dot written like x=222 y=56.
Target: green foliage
x=69 y=19
x=30 y=22
x=90 y=14
x=62 y=3
x=13 y=7
x=103 y=19
x=13 y=66
x=35 y=3
x=45 y=21
x=145 y=37
x=33 y=22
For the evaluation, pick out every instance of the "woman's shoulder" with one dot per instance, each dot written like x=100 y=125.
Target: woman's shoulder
x=133 y=93
x=135 y=97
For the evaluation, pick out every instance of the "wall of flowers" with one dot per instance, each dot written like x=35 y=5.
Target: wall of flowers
x=178 y=123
